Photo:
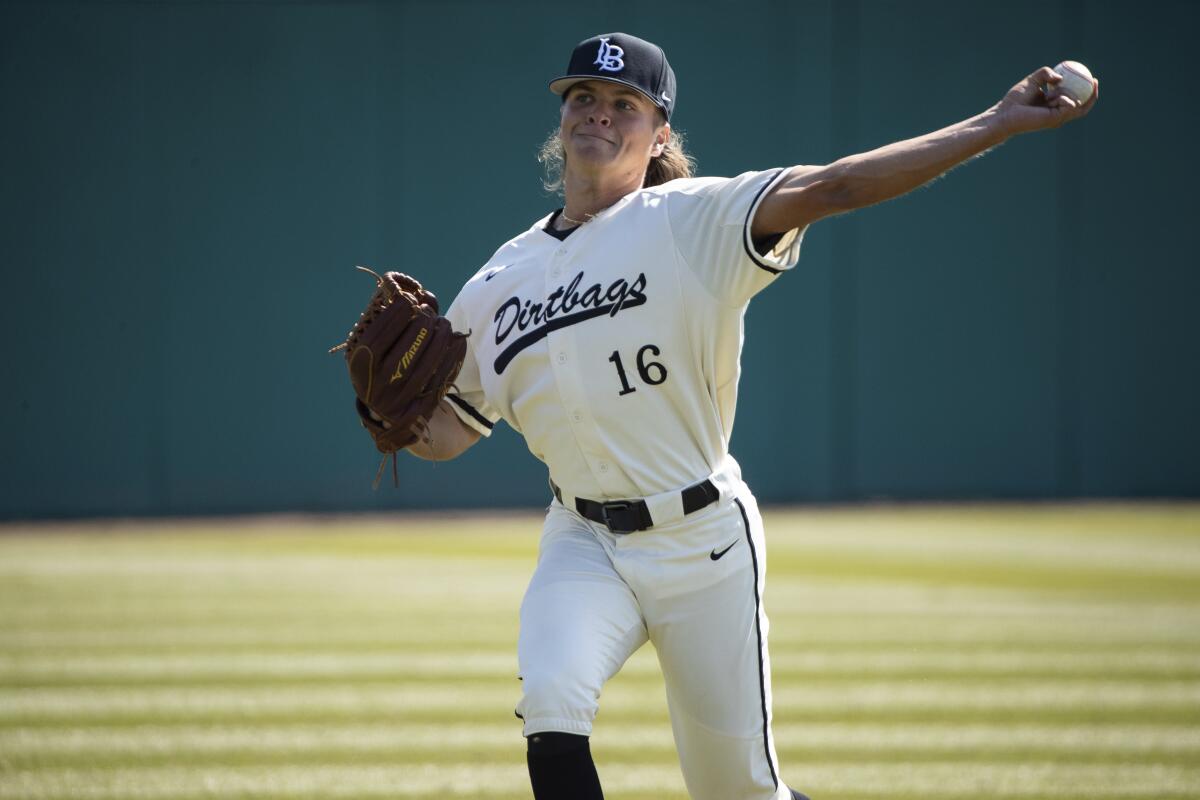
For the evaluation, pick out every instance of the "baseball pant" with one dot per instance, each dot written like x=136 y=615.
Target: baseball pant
x=694 y=589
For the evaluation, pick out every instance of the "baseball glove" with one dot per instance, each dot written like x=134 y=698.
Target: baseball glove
x=403 y=358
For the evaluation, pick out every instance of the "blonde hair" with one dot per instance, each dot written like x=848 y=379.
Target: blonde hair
x=675 y=162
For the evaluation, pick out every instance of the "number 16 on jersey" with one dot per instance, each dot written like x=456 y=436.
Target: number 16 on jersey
x=652 y=373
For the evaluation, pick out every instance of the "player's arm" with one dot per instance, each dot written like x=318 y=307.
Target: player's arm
x=809 y=194
x=449 y=436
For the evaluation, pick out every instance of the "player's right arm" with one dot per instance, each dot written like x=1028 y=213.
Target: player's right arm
x=810 y=194
x=449 y=437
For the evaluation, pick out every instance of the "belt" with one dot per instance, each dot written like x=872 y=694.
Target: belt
x=627 y=516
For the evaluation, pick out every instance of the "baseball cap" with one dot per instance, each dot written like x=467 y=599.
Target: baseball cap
x=621 y=58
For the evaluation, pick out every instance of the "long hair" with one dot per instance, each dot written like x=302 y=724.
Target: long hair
x=675 y=162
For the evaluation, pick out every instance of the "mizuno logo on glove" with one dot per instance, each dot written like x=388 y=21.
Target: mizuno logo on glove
x=407 y=358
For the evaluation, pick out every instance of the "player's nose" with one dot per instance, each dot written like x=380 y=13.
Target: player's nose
x=599 y=117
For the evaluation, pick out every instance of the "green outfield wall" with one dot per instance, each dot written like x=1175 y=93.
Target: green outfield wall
x=186 y=186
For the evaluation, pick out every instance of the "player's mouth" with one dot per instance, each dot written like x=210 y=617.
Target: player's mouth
x=593 y=136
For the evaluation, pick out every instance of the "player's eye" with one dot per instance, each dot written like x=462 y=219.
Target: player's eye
x=625 y=105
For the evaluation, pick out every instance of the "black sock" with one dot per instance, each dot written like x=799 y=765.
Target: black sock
x=561 y=767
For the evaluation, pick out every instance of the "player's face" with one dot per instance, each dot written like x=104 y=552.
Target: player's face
x=607 y=126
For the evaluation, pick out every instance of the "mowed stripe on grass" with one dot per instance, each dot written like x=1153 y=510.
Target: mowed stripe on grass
x=161 y=745
x=318 y=665
x=633 y=780
x=1049 y=652
x=631 y=700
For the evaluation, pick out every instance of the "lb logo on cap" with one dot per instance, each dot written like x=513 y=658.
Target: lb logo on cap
x=624 y=59
x=609 y=57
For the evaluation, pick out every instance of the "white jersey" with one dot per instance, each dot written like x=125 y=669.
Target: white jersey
x=616 y=352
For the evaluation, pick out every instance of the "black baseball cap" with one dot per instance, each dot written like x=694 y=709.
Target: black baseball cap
x=621 y=58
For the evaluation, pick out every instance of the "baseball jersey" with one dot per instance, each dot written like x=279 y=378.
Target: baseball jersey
x=616 y=351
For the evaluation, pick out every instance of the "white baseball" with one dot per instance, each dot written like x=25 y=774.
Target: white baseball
x=1076 y=81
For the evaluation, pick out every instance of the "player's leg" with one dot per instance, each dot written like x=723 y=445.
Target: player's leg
x=710 y=632
x=579 y=623
x=561 y=767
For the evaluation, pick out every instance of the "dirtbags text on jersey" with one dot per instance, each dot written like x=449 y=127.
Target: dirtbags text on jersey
x=595 y=301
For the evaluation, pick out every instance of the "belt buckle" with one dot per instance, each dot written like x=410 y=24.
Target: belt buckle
x=617 y=506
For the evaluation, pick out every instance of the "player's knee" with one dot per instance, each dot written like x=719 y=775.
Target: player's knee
x=557 y=694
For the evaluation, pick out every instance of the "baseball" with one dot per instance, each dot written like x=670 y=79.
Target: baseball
x=1076 y=81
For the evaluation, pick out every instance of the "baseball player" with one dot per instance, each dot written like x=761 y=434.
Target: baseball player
x=609 y=335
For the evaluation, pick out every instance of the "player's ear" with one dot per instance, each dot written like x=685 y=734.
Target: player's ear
x=661 y=139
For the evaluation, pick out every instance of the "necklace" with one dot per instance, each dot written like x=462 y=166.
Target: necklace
x=563 y=214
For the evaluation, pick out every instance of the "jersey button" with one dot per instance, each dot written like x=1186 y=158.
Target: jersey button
x=603 y=466
x=577 y=417
x=562 y=358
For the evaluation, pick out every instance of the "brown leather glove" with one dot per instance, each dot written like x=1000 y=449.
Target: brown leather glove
x=403 y=358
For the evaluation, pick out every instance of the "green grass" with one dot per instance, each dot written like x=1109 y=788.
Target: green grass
x=919 y=652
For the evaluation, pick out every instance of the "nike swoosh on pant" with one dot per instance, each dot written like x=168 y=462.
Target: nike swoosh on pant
x=715 y=556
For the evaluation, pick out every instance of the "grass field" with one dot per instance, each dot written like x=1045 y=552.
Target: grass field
x=1032 y=652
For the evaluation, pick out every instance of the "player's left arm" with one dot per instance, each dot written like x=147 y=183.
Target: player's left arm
x=449 y=437
x=857 y=181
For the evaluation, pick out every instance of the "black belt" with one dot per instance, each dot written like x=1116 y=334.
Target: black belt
x=627 y=516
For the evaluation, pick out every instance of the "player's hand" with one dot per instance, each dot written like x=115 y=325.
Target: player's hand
x=1035 y=104
x=387 y=426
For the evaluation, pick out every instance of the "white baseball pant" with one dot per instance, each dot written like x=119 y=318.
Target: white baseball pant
x=694 y=589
